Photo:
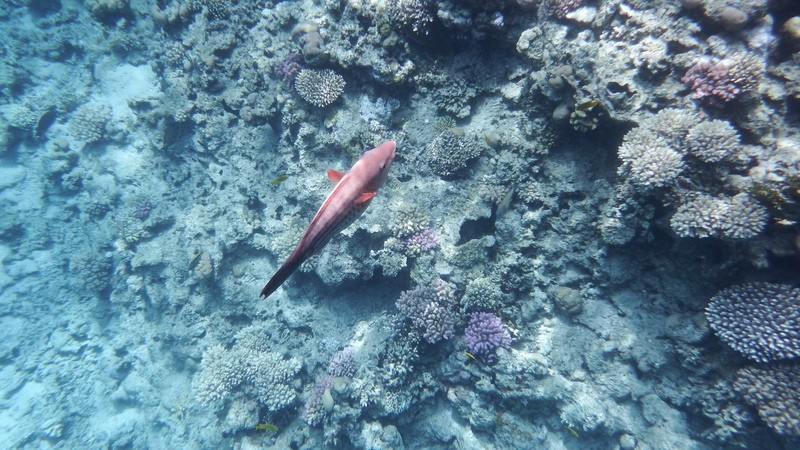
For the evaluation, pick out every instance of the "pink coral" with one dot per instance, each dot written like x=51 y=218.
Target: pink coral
x=724 y=80
x=422 y=241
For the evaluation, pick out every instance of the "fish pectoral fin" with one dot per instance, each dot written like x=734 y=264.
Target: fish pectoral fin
x=335 y=175
x=365 y=197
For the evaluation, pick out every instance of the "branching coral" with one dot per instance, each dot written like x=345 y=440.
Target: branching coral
x=724 y=80
x=738 y=217
x=759 y=320
x=321 y=88
x=246 y=371
x=450 y=151
x=89 y=122
x=712 y=140
x=431 y=309
x=775 y=392
x=648 y=160
x=484 y=334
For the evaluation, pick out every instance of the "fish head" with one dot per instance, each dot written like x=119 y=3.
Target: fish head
x=377 y=162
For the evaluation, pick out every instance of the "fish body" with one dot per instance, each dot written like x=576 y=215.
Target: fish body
x=267 y=427
x=279 y=179
x=348 y=200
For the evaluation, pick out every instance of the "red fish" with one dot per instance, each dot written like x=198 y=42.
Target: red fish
x=348 y=200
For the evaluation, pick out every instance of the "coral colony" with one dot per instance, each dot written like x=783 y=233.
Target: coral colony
x=588 y=238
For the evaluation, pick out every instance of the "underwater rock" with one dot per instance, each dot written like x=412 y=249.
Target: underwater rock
x=567 y=299
x=376 y=436
x=242 y=415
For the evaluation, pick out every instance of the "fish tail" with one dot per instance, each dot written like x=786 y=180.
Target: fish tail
x=280 y=276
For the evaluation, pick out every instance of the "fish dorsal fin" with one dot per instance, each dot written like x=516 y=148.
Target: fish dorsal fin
x=365 y=197
x=335 y=175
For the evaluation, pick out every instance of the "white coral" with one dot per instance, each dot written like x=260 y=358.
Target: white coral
x=738 y=217
x=712 y=141
x=243 y=371
x=319 y=87
x=657 y=166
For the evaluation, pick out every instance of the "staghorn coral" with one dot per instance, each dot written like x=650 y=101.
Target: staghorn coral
x=774 y=390
x=485 y=333
x=672 y=125
x=342 y=363
x=316 y=408
x=759 y=320
x=321 y=88
x=737 y=217
x=482 y=294
x=421 y=242
x=218 y=377
x=288 y=68
x=22 y=117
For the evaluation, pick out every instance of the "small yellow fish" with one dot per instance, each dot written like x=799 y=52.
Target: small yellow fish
x=470 y=355
x=279 y=179
x=587 y=105
x=571 y=431
x=267 y=427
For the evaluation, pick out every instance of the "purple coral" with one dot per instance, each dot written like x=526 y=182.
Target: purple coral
x=289 y=67
x=143 y=208
x=484 y=334
x=431 y=310
x=343 y=364
x=314 y=411
x=421 y=242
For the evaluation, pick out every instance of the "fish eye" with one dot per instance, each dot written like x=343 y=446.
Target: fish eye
x=383 y=165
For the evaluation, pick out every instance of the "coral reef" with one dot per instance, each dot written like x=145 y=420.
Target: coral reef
x=573 y=181
x=724 y=80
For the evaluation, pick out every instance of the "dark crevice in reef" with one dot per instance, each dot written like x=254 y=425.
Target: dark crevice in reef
x=476 y=228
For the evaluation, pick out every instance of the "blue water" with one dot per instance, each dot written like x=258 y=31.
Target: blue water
x=588 y=237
